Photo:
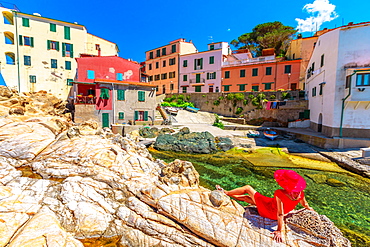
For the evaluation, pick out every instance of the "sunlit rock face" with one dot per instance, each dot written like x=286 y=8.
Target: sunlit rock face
x=85 y=185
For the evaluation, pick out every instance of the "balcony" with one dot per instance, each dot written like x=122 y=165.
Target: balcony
x=86 y=100
x=255 y=60
x=197 y=81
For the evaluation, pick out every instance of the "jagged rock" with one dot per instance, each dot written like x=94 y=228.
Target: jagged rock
x=106 y=186
x=224 y=143
x=318 y=178
x=335 y=183
x=17 y=110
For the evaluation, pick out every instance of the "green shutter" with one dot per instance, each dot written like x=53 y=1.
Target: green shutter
x=195 y=64
x=136 y=115
x=25 y=22
x=63 y=49
x=120 y=94
x=201 y=63
x=48 y=44
x=105 y=120
x=121 y=115
x=185 y=64
x=145 y=115
x=20 y=40
x=53 y=27
x=69 y=82
x=57 y=45
x=214 y=75
x=31 y=40
x=67 y=33
x=141 y=95
x=211 y=60
x=71 y=51
x=197 y=78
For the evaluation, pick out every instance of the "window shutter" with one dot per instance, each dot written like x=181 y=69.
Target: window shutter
x=207 y=76
x=20 y=40
x=48 y=44
x=214 y=75
x=63 y=49
x=67 y=33
x=201 y=63
x=145 y=115
x=136 y=115
x=195 y=64
x=121 y=115
x=71 y=51
x=57 y=45
x=31 y=39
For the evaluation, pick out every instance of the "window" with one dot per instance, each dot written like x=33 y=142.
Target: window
x=198 y=89
x=156 y=65
x=119 y=76
x=184 y=89
x=172 y=61
x=348 y=81
x=25 y=22
x=185 y=63
x=68 y=65
x=173 y=48
x=255 y=72
x=198 y=63
x=158 y=53
x=141 y=116
x=227 y=74
x=268 y=86
x=53 y=45
x=321 y=88
x=54 y=63
x=242 y=87
x=171 y=86
x=141 y=96
x=164 y=76
x=25 y=40
x=163 y=51
x=67 y=50
x=150 y=66
x=104 y=92
x=9 y=38
x=211 y=60
x=322 y=60
x=32 y=79
x=164 y=63
x=90 y=74
x=157 y=77
x=10 y=58
x=67 y=33
x=242 y=73
x=97 y=47
x=8 y=18
x=164 y=89
x=69 y=82
x=121 y=115
x=185 y=77
x=172 y=74
x=362 y=80
x=226 y=88
x=151 y=56
x=212 y=47
x=211 y=76
x=27 y=60
x=53 y=27
x=255 y=88
x=197 y=78
x=120 y=94
x=150 y=78
x=268 y=70
x=314 y=92
x=287 y=69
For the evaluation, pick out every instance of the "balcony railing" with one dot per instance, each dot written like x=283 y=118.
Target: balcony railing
x=87 y=100
x=197 y=81
x=250 y=61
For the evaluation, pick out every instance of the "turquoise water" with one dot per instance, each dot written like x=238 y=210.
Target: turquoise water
x=342 y=196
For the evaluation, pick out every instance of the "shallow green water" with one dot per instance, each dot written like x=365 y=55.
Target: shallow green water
x=342 y=196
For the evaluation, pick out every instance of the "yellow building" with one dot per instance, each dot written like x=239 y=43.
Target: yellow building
x=162 y=65
x=37 y=53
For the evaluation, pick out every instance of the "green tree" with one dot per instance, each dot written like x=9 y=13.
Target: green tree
x=266 y=35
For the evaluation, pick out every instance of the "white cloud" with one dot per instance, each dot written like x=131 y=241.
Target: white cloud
x=321 y=11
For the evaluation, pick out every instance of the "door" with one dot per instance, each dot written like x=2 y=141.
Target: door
x=105 y=120
x=197 y=78
x=319 y=124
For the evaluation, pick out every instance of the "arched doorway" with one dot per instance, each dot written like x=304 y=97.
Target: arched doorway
x=319 y=124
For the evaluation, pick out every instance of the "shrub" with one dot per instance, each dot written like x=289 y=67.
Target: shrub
x=230 y=96
x=221 y=98
x=239 y=96
x=216 y=102
x=273 y=96
x=218 y=123
x=285 y=95
x=251 y=96
x=238 y=110
x=203 y=95
x=187 y=97
x=181 y=96
x=261 y=96
x=245 y=102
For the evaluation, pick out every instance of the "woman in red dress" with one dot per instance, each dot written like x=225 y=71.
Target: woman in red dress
x=284 y=200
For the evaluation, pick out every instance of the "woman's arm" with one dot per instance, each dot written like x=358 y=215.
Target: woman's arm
x=304 y=203
x=280 y=217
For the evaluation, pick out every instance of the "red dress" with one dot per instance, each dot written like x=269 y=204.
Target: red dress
x=267 y=206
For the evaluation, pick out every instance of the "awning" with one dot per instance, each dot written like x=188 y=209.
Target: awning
x=80 y=82
x=211 y=84
x=197 y=84
x=184 y=86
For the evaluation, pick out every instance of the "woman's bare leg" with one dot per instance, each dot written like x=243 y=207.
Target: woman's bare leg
x=239 y=194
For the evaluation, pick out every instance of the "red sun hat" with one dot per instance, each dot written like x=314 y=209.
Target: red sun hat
x=290 y=180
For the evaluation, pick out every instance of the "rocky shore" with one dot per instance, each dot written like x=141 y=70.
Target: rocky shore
x=65 y=185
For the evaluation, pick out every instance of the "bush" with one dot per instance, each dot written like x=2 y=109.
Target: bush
x=238 y=110
x=221 y=98
x=181 y=96
x=230 y=96
x=245 y=102
x=218 y=123
x=187 y=97
x=216 y=102
x=251 y=96
x=273 y=96
x=285 y=95
x=239 y=96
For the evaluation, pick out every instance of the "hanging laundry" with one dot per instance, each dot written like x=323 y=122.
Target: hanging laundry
x=268 y=105
x=274 y=105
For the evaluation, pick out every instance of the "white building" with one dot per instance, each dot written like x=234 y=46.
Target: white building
x=338 y=82
x=201 y=71
x=37 y=53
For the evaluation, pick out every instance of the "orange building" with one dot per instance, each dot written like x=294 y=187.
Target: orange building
x=241 y=72
x=162 y=65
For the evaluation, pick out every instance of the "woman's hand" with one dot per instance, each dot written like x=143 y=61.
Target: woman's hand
x=309 y=208
x=277 y=236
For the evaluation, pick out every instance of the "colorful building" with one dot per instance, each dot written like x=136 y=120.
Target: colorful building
x=108 y=90
x=338 y=82
x=201 y=71
x=162 y=65
x=241 y=72
x=37 y=53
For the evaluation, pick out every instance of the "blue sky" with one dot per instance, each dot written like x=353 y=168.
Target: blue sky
x=138 y=26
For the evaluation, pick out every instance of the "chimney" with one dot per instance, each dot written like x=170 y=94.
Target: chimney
x=99 y=52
